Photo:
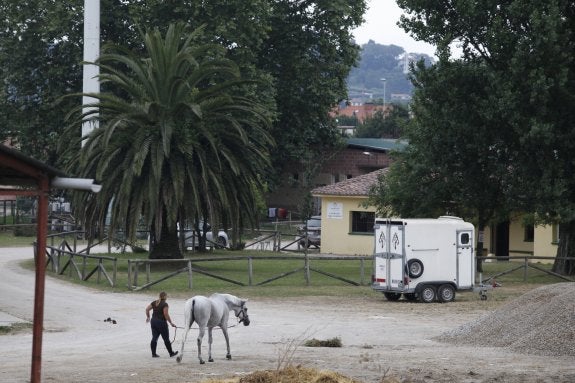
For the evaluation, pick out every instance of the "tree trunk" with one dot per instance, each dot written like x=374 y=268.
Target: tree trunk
x=167 y=246
x=566 y=249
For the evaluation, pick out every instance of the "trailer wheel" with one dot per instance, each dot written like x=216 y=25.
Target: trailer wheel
x=446 y=293
x=410 y=297
x=427 y=294
x=392 y=296
x=414 y=268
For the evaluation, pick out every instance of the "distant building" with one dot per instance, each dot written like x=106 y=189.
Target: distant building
x=361 y=112
x=360 y=156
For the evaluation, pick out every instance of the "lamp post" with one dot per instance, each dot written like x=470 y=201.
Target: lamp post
x=384 y=83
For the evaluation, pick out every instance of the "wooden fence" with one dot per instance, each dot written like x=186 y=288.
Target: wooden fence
x=525 y=265
x=190 y=268
x=63 y=256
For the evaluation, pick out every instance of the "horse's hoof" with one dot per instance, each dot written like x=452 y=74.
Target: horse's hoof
x=202 y=362
x=211 y=360
x=229 y=357
x=179 y=359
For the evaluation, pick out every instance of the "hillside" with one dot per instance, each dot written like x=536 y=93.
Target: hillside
x=389 y=62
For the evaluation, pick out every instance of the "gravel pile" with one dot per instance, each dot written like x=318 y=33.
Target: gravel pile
x=540 y=322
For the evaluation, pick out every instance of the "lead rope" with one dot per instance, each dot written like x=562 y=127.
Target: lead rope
x=175 y=332
x=177 y=327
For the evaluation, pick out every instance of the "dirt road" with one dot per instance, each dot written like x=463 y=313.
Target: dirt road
x=379 y=338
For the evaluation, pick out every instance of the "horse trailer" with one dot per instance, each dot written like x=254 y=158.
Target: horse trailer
x=423 y=259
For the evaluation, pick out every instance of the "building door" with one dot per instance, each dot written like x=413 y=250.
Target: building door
x=502 y=239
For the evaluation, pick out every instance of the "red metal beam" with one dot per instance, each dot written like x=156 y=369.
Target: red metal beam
x=42 y=229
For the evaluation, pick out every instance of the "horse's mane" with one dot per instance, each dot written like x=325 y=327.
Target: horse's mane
x=229 y=297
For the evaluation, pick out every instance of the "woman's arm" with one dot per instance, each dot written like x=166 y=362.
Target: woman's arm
x=167 y=316
x=148 y=309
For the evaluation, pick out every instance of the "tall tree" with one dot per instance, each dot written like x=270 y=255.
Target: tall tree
x=457 y=159
x=528 y=48
x=172 y=131
x=388 y=125
x=309 y=53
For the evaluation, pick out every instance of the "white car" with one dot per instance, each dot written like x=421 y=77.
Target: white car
x=191 y=240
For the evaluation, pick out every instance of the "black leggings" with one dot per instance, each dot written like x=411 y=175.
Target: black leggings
x=160 y=327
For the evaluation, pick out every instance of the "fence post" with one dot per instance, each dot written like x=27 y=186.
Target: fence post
x=99 y=270
x=115 y=271
x=148 y=271
x=362 y=271
x=129 y=274
x=136 y=268
x=190 y=275
x=84 y=268
x=525 y=266
x=306 y=268
x=250 y=271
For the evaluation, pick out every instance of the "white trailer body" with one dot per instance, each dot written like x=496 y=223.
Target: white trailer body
x=425 y=259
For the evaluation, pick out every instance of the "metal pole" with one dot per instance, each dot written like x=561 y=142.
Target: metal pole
x=40 y=281
x=91 y=82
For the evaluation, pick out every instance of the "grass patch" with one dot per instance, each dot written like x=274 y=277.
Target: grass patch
x=333 y=342
x=8 y=239
x=287 y=277
x=15 y=328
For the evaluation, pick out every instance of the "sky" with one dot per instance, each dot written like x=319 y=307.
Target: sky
x=381 y=26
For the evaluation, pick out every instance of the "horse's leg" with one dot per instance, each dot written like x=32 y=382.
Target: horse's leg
x=225 y=331
x=210 y=340
x=200 y=336
x=179 y=357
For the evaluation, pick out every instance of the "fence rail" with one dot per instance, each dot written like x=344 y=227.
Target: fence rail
x=65 y=256
x=190 y=267
x=525 y=265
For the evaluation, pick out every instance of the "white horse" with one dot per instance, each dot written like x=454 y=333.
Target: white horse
x=211 y=312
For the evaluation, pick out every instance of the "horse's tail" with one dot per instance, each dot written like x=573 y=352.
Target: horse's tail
x=192 y=313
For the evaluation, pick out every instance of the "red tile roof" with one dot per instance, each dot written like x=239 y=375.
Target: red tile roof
x=357 y=186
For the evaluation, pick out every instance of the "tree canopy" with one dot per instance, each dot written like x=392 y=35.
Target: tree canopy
x=176 y=141
x=302 y=51
x=523 y=50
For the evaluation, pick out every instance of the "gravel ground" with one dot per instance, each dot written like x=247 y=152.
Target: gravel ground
x=395 y=340
x=540 y=322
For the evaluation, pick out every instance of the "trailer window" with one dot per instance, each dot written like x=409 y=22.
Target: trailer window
x=362 y=221
x=464 y=240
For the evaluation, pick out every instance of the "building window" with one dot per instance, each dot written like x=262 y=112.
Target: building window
x=529 y=233
x=362 y=221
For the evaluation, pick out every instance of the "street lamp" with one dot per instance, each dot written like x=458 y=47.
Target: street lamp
x=384 y=83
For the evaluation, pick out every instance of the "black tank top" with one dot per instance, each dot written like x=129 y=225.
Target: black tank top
x=158 y=312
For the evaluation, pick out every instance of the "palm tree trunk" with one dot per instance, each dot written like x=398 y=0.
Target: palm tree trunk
x=167 y=245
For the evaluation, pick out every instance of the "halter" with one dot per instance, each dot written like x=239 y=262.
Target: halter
x=244 y=315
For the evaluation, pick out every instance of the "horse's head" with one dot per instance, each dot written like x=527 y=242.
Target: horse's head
x=242 y=314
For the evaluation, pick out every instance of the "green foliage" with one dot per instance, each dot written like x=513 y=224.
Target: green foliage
x=390 y=125
x=523 y=51
x=309 y=53
x=305 y=49
x=170 y=127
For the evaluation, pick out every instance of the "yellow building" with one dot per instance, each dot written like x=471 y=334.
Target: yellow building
x=347 y=224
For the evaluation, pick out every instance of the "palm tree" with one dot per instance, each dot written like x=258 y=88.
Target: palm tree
x=175 y=126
